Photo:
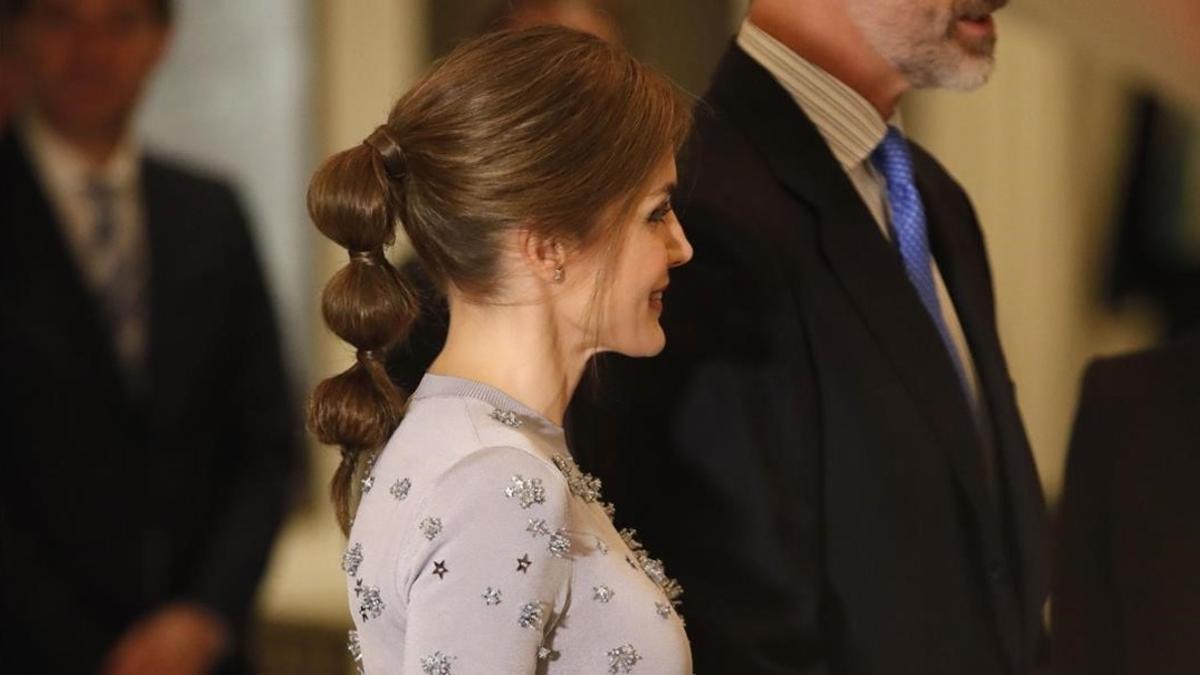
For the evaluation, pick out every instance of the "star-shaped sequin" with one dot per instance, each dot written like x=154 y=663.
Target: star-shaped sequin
x=602 y=593
x=507 y=417
x=527 y=492
x=622 y=659
x=491 y=597
x=368 y=482
x=400 y=489
x=430 y=527
x=523 y=563
x=531 y=615
x=663 y=609
x=351 y=559
x=439 y=568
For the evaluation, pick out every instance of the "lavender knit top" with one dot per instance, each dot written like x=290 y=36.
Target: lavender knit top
x=480 y=547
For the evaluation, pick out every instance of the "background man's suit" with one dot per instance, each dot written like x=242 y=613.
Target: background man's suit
x=802 y=455
x=1127 y=584
x=115 y=504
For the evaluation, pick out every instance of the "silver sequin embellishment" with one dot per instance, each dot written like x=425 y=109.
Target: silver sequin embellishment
x=351 y=559
x=582 y=485
x=491 y=596
x=544 y=653
x=651 y=566
x=370 y=604
x=368 y=479
x=559 y=544
x=527 y=492
x=663 y=609
x=537 y=527
x=507 y=417
x=436 y=664
x=622 y=659
x=431 y=527
x=602 y=593
x=400 y=489
x=354 y=647
x=531 y=615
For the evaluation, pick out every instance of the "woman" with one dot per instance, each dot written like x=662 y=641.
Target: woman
x=532 y=172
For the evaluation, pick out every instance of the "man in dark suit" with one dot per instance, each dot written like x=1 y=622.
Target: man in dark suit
x=148 y=435
x=1127 y=581
x=828 y=454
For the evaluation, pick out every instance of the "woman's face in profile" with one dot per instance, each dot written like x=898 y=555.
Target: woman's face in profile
x=649 y=246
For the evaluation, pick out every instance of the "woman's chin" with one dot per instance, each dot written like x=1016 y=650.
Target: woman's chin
x=650 y=345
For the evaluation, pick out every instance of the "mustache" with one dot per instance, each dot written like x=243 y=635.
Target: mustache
x=973 y=7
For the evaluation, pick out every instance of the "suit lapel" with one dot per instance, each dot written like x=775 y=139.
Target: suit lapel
x=866 y=265
x=970 y=289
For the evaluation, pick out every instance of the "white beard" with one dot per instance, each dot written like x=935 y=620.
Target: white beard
x=921 y=44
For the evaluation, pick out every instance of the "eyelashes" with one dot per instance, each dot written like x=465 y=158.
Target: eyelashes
x=660 y=214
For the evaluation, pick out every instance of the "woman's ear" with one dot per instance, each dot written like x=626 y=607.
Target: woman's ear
x=544 y=256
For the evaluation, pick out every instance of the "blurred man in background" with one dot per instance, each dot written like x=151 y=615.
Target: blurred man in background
x=1127 y=579
x=148 y=434
x=12 y=82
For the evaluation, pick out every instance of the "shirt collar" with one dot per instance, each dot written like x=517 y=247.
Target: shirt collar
x=848 y=122
x=67 y=171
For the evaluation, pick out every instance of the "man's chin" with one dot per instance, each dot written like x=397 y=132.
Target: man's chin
x=972 y=73
x=961 y=71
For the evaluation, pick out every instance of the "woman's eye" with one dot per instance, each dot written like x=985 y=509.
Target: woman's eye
x=660 y=214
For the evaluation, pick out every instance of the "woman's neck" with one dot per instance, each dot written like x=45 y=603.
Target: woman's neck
x=514 y=349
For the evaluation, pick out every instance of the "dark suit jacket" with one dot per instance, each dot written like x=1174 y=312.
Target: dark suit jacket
x=802 y=454
x=112 y=504
x=1127 y=583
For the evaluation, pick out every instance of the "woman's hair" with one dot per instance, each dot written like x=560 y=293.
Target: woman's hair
x=547 y=129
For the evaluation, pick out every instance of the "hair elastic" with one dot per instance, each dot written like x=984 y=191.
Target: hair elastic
x=372 y=257
x=385 y=144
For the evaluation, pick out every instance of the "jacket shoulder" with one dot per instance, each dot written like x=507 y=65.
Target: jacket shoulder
x=187 y=182
x=1145 y=373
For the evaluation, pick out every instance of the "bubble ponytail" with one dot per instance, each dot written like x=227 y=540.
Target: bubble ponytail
x=352 y=200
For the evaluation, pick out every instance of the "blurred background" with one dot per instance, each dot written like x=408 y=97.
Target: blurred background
x=1082 y=157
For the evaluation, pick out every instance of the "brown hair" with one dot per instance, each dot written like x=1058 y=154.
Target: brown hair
x=547 y=128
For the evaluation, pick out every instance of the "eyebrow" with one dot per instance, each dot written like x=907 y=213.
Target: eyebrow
x=666 y=189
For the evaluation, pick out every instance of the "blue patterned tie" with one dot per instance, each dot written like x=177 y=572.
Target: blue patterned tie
x=893 y=160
